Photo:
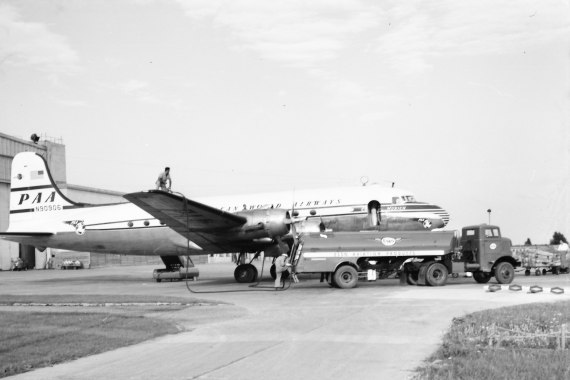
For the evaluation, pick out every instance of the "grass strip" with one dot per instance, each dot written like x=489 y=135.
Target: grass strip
x=519 y=342
x=32 y=340
x=11 y=299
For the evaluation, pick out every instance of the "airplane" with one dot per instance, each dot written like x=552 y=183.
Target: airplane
x=169 y=225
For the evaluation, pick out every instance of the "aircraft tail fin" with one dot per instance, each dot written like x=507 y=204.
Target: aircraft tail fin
x=34 y=194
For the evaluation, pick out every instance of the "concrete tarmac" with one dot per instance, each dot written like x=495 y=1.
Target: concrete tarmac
x=379 y=330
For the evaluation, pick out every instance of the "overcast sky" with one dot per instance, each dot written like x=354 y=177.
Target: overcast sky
x=464 y=103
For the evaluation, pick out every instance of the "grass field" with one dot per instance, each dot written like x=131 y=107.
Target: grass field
x=32 y=339
x=519 y=342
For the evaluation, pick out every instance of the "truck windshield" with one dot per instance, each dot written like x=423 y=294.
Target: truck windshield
x=492 y=232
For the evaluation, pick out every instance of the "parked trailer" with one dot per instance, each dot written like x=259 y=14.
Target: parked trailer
x=418 y=257
x=542 y=258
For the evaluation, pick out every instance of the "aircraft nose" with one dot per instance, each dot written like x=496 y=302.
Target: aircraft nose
x=444 y=215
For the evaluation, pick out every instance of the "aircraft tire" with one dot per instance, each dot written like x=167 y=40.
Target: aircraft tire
x=245 y=273
x=436 y=274
x=284 y=275
x=345 y=277
x=481 y=277
x=504 y=273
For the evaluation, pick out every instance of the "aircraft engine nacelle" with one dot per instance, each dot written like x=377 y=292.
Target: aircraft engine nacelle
x=264 y=223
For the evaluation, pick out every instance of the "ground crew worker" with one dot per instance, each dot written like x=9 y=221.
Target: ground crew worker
x=281 y=265
x=163 y=178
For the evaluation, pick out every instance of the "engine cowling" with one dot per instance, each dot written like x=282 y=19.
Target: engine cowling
x=265 y=223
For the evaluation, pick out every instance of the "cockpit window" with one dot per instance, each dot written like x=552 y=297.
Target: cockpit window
x=408 y=198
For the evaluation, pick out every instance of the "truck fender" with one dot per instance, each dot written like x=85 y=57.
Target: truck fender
x=345 y=263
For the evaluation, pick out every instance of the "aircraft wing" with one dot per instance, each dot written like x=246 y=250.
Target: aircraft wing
x=189 y=218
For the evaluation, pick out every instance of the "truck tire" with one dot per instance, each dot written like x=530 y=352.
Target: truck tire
x=481 y=277
x=436 y=274
x=412 y=277
x=345 y=277
x=504 y=273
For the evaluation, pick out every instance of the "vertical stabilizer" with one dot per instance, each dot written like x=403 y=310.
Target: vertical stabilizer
x=33 y=190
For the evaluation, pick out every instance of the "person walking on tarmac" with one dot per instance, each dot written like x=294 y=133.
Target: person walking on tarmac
x=281 y=265
x=163 y=178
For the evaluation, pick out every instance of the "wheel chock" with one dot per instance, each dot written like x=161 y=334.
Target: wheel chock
x=557 y=290
x=495 y=288
x=535 y=289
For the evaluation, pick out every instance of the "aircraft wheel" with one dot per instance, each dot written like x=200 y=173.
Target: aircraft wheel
x=345 y=277
x=527 y=272
x=504 y=273
x=544 y=271
x=537 y=272
x=481 y=277
x=245 y=273
x=284 y=275
x=436 y=274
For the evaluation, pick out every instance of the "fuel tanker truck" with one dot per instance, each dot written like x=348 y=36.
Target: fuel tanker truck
x=417 y=257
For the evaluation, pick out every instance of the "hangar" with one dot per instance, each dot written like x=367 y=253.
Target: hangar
x=53 y=150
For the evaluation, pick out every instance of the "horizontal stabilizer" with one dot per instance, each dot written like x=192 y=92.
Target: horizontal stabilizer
x=27 y=233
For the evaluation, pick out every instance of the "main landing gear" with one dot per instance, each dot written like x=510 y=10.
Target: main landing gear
x=245 y=272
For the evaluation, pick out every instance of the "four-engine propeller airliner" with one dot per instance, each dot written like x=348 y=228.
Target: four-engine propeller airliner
x=155 y=222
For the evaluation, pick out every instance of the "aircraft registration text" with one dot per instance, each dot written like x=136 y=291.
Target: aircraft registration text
x=48 y=208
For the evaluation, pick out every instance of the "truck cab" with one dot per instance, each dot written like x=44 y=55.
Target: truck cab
x=482 y=250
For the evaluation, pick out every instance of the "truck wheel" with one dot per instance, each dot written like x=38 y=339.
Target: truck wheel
x=504 y=273
x=527 y=272
x=436 y=274
x=482 y=277
x=332 y=282
x=412 y=278
x=245 y=273
x=537 y=272
x=345 y=277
